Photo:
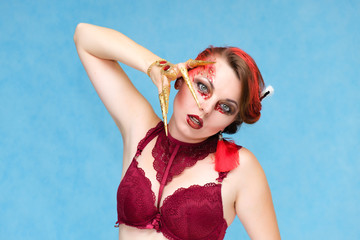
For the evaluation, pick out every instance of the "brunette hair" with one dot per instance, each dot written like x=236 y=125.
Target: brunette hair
x=252 y=83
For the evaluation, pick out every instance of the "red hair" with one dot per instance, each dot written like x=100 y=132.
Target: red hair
x=252 y=83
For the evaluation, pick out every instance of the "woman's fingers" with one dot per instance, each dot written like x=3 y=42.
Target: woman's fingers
x=162 y=77
x=173 y=72
x=170 y=72
x=185 y=75
x=164 y=100
x=163 y=110
x=166 y=92
x=191 y=63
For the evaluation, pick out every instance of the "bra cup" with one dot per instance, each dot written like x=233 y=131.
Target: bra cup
x=194 y=213
x=135 y=193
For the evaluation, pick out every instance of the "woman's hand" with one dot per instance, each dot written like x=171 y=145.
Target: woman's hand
x=165 y=73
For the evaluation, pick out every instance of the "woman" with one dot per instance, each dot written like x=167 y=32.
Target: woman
x=183 y=183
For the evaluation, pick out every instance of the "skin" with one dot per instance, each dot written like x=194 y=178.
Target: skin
x=245 y=191
x=217 y=92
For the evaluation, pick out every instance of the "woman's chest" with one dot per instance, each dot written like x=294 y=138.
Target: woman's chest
x=170 y=181
x=186 y=209
x=168 y=175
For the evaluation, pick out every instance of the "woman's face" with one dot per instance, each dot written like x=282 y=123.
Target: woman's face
x=218 y=90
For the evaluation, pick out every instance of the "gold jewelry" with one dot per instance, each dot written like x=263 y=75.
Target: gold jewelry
x=164 y=104
x=167 y=70
x=159 y=63
x=191 y=63
x=171 y=73
x=185 y=74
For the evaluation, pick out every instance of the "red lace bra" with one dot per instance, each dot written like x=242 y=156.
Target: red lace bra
x=195 y=212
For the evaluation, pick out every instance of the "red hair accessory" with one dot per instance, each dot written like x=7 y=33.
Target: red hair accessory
x=227 y=155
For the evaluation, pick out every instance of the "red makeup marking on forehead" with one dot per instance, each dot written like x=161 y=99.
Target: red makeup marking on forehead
x=207 y=71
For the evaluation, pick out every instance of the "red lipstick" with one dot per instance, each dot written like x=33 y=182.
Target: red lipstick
x=194 y=121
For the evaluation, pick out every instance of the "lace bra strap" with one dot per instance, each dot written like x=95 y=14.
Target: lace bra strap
x=153 y=132
x=221 y=177
x=163 y=181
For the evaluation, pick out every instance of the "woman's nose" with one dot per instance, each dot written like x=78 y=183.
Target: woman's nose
x=207 y=106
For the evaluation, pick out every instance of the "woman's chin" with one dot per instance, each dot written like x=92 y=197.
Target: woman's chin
x=186 y=133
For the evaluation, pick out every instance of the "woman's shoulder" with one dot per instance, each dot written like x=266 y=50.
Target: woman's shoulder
x=249 y=168
x=247 y=159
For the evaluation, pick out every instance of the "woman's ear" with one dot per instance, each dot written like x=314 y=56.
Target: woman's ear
x=178 y=83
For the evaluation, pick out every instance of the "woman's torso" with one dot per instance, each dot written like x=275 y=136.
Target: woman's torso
x=198 y=179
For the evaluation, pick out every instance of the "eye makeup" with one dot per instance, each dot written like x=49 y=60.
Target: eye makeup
x=204 y=87
x=225 y=108
x=207 y=71
x=203 y=78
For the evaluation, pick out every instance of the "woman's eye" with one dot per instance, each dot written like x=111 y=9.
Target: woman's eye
x=224 y=108
x=202 y=88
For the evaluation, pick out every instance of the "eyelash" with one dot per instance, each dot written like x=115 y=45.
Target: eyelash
x=202 y=91
x=220 y=106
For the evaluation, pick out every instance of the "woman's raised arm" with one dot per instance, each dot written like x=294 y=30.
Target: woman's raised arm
x=99 y=49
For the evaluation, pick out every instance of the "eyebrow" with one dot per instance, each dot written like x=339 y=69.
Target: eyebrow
x=230 y=100
x=211 y=84
x=227 y=99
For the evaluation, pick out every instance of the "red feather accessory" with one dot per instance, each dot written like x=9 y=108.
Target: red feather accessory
x=226 y=156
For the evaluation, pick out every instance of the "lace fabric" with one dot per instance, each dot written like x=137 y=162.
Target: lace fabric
x=195 y=212
x=133 y=192
x=187 y=156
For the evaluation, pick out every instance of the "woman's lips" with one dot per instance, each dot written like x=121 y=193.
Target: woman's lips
x=194 y=121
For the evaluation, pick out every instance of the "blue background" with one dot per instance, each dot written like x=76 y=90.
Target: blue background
x=60 y=151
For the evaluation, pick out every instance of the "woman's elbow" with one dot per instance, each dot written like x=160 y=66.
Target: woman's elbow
x=78 y=31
